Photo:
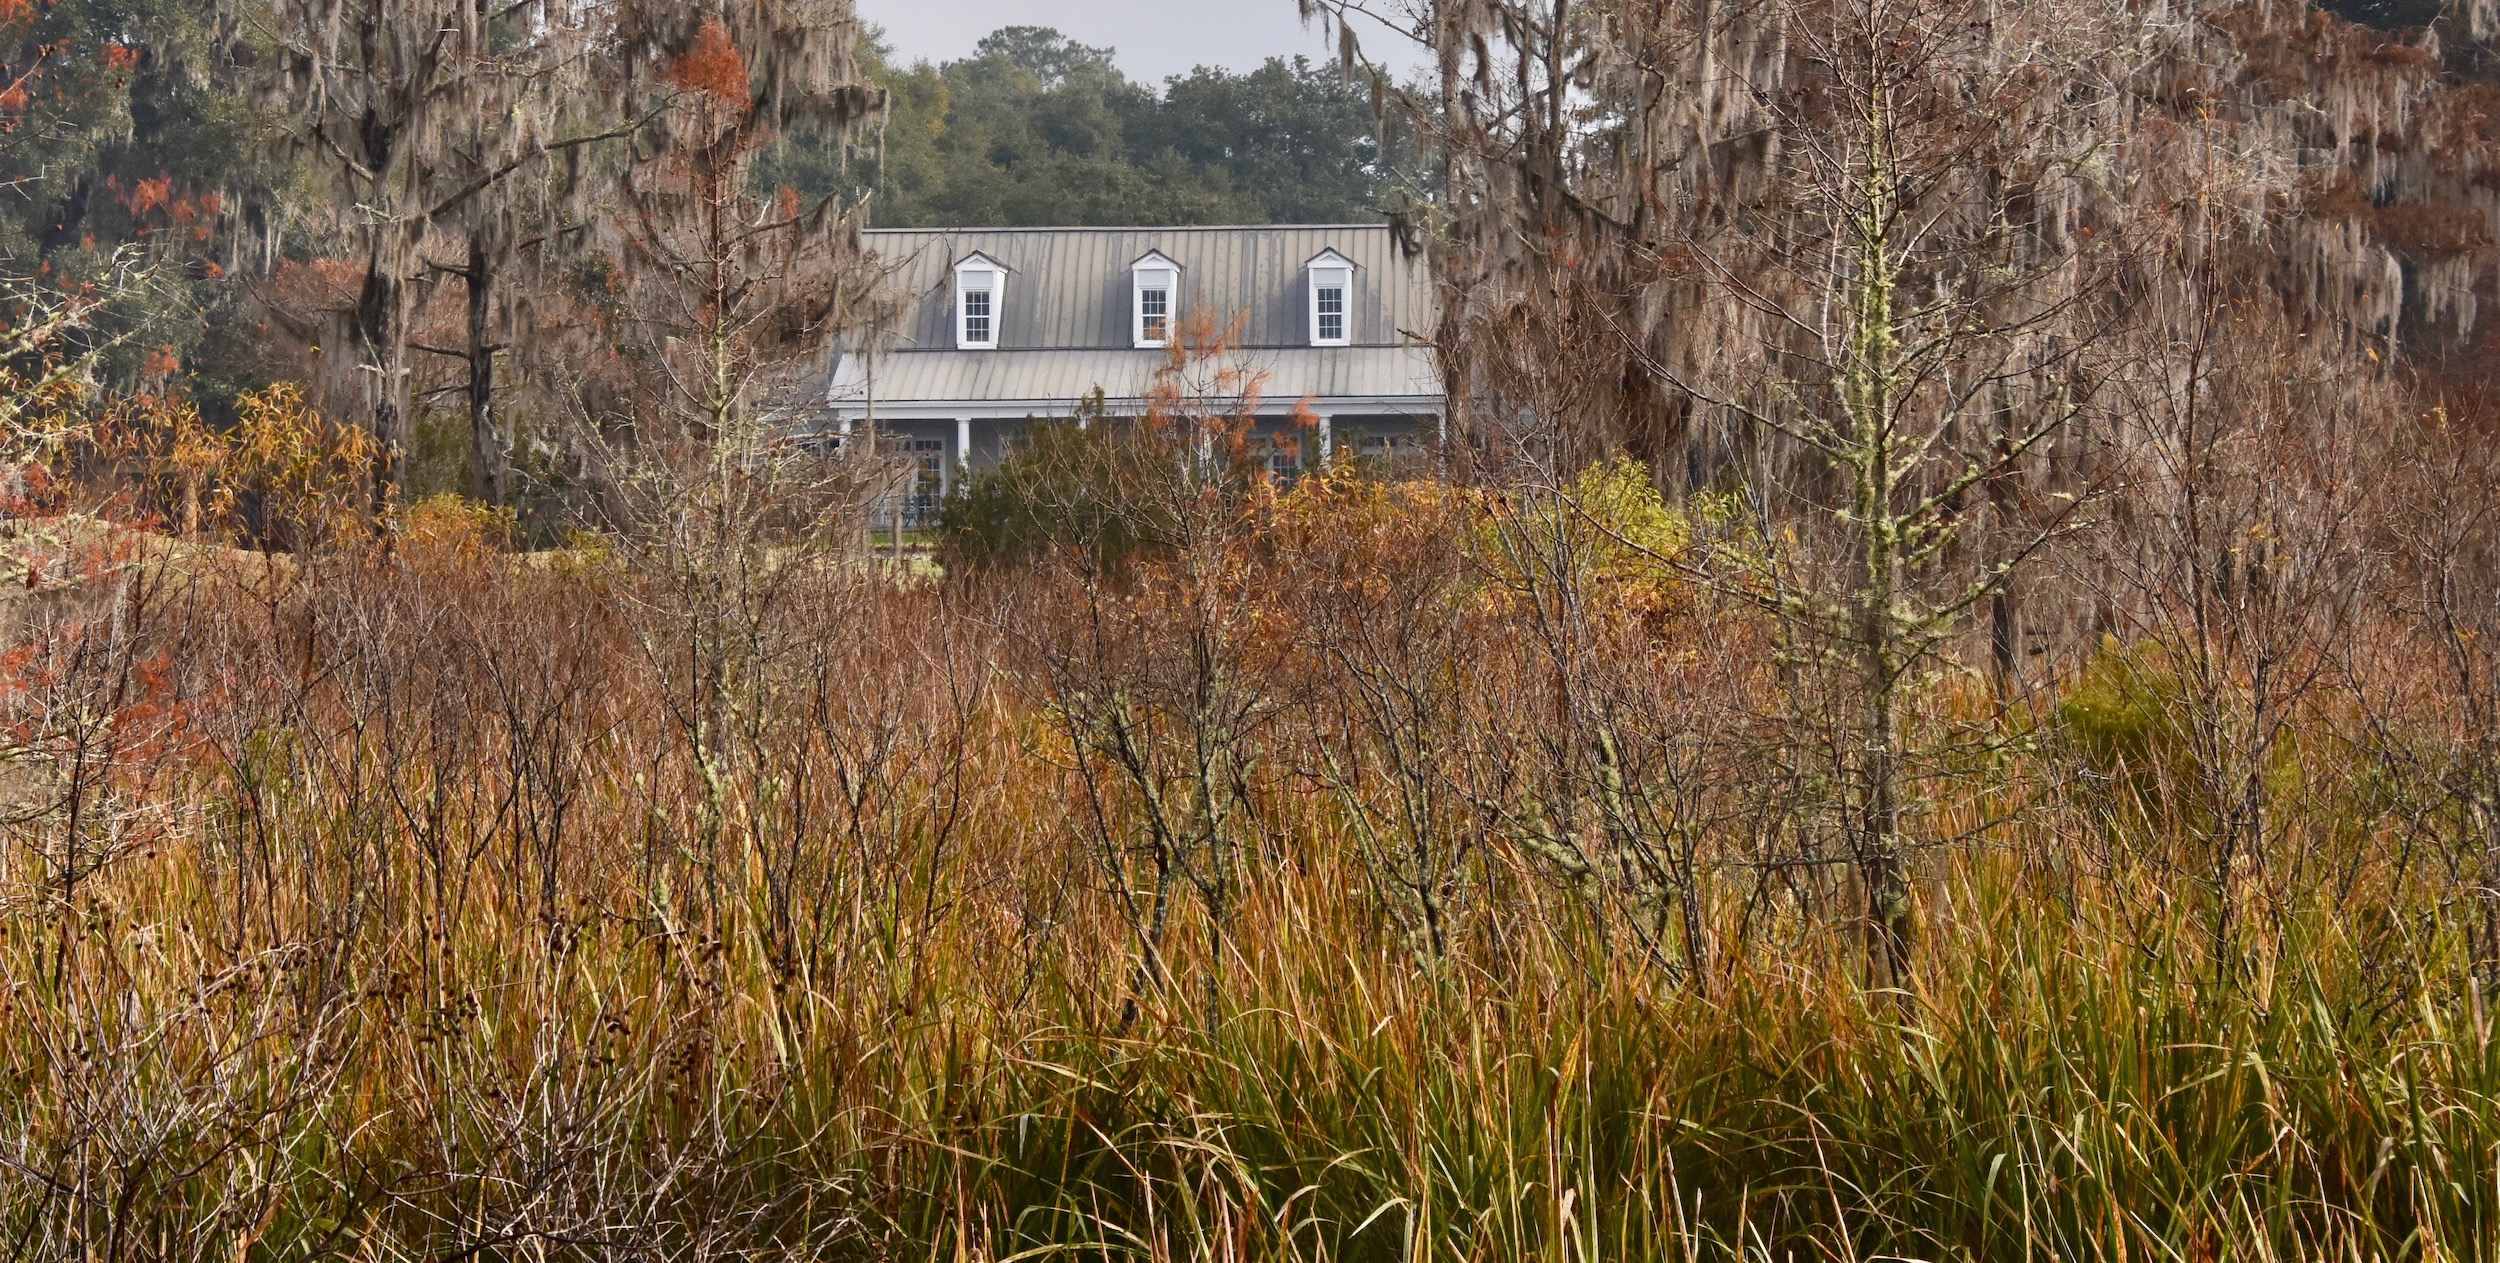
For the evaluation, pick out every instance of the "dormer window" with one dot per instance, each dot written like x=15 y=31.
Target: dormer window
x=980 y=320
x=1332 y=289
x=1328 y=311
x=1153 y=281
x=979 y=283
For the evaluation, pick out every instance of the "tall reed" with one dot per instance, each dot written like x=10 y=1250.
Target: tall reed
x=403 y=917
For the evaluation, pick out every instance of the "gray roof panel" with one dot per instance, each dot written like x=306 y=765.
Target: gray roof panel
x=1069 y=287
x=1053 y=382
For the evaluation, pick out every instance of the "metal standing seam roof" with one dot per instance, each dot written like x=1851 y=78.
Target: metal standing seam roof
x=1064 y=321
x=1054 y=382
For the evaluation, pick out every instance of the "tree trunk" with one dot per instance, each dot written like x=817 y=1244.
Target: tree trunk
x=1879 y=676
x=1870 y=392
x=379 y=328
x=2005 y=631
x=486 y=443
x=1880 y=867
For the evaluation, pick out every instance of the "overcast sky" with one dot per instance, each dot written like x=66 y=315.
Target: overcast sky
x=1155 y=38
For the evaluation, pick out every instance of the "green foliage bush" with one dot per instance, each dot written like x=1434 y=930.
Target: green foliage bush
x=2123 y=715
x=2131 y=717
x=1088 y=488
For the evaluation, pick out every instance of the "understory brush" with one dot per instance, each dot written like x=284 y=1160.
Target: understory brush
x=398 y=905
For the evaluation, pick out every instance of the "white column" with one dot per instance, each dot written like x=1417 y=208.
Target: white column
x=1327 y=437
x=963 y=444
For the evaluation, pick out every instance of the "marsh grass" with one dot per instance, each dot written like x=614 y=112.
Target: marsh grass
x=410 y=927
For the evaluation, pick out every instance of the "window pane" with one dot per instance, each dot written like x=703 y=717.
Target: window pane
x=1154 y=309
x=1284 y=459
x=928 y=489
x=976 y=315
x=1331 y=313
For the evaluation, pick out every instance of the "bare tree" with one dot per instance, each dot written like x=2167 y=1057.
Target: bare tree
x=1394 y=604
x=1642 y=777
x=2438 y=734
x=1152 y=669
x=1931 y=320
x=725 y=303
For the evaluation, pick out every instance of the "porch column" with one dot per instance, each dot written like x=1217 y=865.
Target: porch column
x=1327 y=437
x=963 y=445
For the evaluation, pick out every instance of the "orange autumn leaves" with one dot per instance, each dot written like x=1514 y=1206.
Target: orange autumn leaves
x=713 y=65
x=17 y=19
x=156 y=207
x=33 y=58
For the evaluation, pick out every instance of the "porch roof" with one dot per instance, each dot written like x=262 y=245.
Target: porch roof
x=1046 y=382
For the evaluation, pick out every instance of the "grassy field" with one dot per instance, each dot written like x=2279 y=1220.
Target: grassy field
x=428 y=906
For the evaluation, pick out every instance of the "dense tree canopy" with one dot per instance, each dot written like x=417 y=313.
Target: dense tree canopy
x=1038 y=129
x=118 y=133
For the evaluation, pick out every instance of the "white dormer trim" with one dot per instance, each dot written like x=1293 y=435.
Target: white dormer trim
x=1331 y=299
x=980 y=300
x=1154 y=301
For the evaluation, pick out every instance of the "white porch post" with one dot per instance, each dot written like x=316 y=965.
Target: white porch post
x=963 y=445
x=1327 y=437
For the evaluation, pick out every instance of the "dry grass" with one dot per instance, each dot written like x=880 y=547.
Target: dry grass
x=437 y=907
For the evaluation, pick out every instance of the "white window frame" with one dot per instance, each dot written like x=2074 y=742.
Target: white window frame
x=1331 y=270
x=1154 y=272
x=979 y=274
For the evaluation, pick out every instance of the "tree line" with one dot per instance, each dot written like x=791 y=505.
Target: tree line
x=435 y=218
x=1037 y=129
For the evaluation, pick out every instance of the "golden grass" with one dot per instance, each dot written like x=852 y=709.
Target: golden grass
x=437 y=908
